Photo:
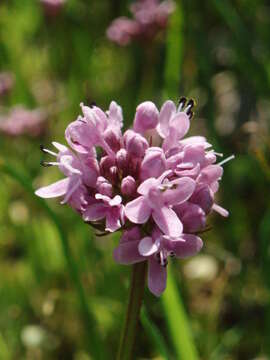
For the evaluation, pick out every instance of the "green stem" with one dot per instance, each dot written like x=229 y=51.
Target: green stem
x=133 y=311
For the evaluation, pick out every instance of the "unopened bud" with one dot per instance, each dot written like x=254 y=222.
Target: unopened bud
x=128 y=186
x=146 y=117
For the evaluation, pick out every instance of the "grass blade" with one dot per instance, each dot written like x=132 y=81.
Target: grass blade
x=177 y=321
x=154 y=335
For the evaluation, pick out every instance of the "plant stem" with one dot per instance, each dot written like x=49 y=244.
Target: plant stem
x=133 y=311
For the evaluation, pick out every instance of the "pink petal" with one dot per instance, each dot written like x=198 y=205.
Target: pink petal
x=179 y=125
x=187 y=245
x=166 y=112
x=167 y=220
x=127 y=253
x=95 y=212
x=113 y=222
x=115 y=201
x=138 y=211
x=147 y=247
x=157 y=277
x=210 y=174
x=56 y=189
x=188 y=172
x=185 y=188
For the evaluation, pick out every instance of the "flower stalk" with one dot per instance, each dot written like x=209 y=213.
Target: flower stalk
x=135 y=299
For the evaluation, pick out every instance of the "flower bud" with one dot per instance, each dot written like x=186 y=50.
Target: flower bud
x=104 y=187
x=112 y=139
x=122 y=159
x=135 y=144
x=153 y=164
x=105 y=164
x=146 y=117
x=113 y=174
x=128 y=186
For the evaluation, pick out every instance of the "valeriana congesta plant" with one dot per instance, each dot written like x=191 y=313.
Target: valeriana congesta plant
x=149 y=17
x=21 y=121
x=151 y=182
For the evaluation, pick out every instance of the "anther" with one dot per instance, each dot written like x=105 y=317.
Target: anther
x=189 y=107
x=46 y=151
x=93 y=104
x=45 y=163
x=181 y=103
x=164 y=262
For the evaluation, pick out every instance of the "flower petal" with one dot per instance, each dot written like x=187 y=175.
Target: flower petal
x=166 y=112
x=147 y=247
x=127 y=253
x=56 y=189
x=187 y=245
x=138 y=211
x=95 y=212
x=184 y=189
x=113 y=222
x=179 y=125
x=210 y=174
x=167 y=220
x=157 y=277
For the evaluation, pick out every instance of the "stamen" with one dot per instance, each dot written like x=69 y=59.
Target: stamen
x=49 y=163
x=190 y=105
x=226 y=160
x=93 y=104
x=46 y=151
x=190 y=115
x=181 y=103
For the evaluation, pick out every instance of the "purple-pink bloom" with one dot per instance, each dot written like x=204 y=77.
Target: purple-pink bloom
x=20 y=121
x=160 y=195
x=155 y=249
x=149 y=17
x=52 y=7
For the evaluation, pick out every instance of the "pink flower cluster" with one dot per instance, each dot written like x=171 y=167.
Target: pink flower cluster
x=52 y=7
x=149 y=182
x=20 y=121
x=149 y=16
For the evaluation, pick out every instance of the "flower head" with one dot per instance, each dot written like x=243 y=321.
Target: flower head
x=160 y=196
x=20 y=121
x=149 y=16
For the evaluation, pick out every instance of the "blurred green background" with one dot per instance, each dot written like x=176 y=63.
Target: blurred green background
x=61 y=294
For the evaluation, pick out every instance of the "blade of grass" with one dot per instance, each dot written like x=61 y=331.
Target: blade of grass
x=154 y=334
x=173 y=308
x=95 y=346
x=177 y=321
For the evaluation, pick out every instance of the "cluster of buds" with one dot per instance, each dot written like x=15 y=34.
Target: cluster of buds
x=149 y=182
x=149 y=16
x=20 y=121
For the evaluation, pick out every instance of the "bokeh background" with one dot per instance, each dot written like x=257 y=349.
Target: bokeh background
x=61 y=294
